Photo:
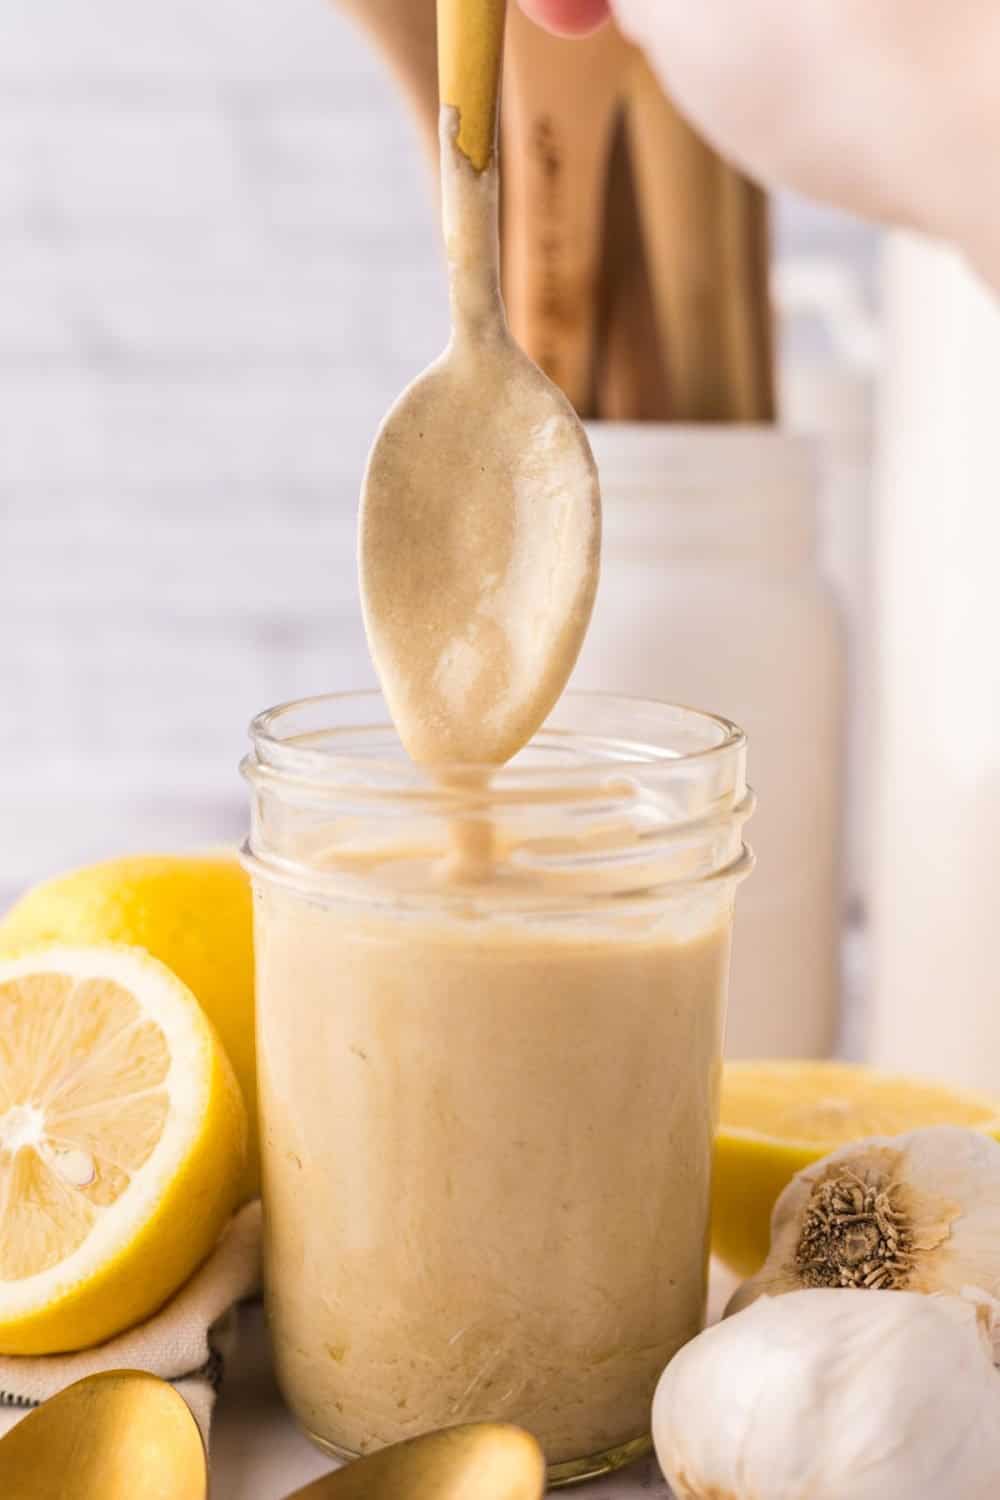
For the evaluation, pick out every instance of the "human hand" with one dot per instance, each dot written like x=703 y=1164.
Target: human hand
x=570 y=17
x=887 y=110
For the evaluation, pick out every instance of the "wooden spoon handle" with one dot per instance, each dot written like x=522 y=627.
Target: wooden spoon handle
x=746 y=249
x=631 y=377
x=470 y=53
x=705 y=228
x=560 y=102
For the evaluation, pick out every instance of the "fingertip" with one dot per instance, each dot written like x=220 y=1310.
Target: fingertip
x=568 y=17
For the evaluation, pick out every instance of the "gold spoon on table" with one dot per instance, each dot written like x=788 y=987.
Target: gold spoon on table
x=120 y=1435
x=126 y=1435
x=480 y=1461
x=479 y=532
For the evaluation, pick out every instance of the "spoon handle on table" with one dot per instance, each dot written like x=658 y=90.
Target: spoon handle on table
x=470 y=54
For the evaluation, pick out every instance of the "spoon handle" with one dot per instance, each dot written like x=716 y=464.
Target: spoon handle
x=470 y=52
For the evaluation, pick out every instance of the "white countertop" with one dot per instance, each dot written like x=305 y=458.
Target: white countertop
x=258 y=1454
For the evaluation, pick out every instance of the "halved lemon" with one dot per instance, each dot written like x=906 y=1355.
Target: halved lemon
x=122 y=1141
x=192 y=912
x=778 y=1117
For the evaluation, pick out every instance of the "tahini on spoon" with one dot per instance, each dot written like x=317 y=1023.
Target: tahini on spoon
x=480 y=1461
x=119 y=1435
x=479 y=528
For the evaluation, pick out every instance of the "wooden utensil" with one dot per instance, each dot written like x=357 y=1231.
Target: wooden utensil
x=481 y=1461
x=705 y=229
x=630 y=370
x=406 y=32
x=561 y=101
x=121 y=1435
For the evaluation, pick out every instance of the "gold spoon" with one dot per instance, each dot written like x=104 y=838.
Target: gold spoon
x=480 y=513
x=120 y=1435
x=481 y=1461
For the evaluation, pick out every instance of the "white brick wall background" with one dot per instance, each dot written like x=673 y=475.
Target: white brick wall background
x=217 y=266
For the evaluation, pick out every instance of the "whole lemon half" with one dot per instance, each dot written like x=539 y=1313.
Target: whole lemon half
x=192 y=912
x=122 y=1138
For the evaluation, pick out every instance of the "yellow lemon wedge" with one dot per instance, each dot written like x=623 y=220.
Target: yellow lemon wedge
x=192 y=912
x=778 y=1117
x=122 y=1141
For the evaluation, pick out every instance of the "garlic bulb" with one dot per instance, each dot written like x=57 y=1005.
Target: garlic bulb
x=917 y=1212
x=830 y=1396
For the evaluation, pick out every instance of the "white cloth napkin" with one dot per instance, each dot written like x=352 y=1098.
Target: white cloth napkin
x=187 y=1342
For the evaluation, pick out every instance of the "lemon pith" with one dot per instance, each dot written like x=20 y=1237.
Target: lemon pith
x=778 y=1117
x=122 y=1139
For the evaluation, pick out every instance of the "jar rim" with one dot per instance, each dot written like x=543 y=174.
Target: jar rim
x=329 y=749
x=612 y=793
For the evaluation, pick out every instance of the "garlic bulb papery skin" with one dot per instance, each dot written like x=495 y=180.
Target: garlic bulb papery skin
x=822 y=1395
x=918 y=1212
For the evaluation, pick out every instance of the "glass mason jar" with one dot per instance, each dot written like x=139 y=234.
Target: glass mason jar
x=489 y=1083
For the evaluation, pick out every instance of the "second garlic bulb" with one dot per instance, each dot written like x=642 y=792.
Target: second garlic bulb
x=824 y=1394
x=916 y=1213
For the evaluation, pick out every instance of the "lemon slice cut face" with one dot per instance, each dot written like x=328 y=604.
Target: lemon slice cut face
x=122 y=1139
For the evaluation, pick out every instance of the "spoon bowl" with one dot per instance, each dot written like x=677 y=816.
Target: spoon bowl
x=480 y=1461
x=486 y=533
x=119 y=1435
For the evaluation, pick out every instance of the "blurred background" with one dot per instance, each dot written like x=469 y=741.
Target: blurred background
x=220 y=264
